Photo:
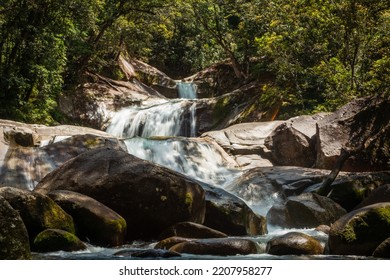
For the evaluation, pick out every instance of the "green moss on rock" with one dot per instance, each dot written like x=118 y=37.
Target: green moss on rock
x=51 y=240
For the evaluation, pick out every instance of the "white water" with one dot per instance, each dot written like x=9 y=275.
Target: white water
x=195 y=159
x=187 y=90
x=173 y=118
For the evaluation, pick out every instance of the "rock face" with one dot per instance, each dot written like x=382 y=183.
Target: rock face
x=218 y=246
x=306 y=210
x=361 y=231
x=294 y=243
x=51 y=240
x=24 y=163
x=191 y=230
x=94 y=221
x=149 y=197
x=349 y=125
x=292 y=142
x=231 y=215
x=37 y=211
x=14 y=242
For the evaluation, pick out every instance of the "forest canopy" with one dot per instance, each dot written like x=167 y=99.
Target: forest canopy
x=320 y=54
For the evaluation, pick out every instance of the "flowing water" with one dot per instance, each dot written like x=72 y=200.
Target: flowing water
x=187 y=90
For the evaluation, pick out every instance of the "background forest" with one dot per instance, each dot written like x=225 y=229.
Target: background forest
x=317 y=55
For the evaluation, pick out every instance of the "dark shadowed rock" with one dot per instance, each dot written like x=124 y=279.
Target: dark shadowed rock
x=347 y=126
x=14 y=242
x=38 y=211
x=51 y=240
x=231 y=215
x=94 y=221
x=380 y=194
x=218 y=246
x=191 y=230
x=383 y=250
x=361 y=231
x=148 y=254
x=306 y=210
x=149 y=197
x=294 y=243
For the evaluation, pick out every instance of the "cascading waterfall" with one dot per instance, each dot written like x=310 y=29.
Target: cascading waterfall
x=196 y=159
x=187 y=90
x=173 y=118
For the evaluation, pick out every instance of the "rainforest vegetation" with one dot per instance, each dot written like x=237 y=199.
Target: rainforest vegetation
x=319 y=54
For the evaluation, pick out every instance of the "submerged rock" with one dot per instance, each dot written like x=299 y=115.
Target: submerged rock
x=148 y=254
x=294 y=243
x=38 y=211
x=218 y=246
x=191 y=230
x=14 y=241
x=149 y=197
x=94 y=221
x=361 y=231
x=51 y=240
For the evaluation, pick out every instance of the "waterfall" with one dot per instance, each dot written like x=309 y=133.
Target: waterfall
x=173 y=118
x=196 y=159
x=187 y=90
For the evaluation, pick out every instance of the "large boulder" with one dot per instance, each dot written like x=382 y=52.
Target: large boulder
x=218 y=246
x=307 y=210
x=294 y=243
x=293 y=142
x=149 y=197
x=14 y=241
x=24 y=163
x=94 y=221
x=353 y=124
x=51 y=240
x=246 y=140
x=380 y=194
x=231 y=215
x=361 y=231
x=38 y=211
x=383 y=250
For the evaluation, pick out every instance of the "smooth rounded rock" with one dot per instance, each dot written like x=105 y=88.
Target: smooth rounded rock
x=51 y=240
x=294 y=243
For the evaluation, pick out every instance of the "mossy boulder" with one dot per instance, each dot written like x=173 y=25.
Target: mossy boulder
x=361 y=231
x=294 y=243
x=51 y=240
x=38 y=211
x=191 y=230
x=94 y=221
x=217 y=246
x=14 y=242
x=380 y=194
x=171 y=241
x=148 y=196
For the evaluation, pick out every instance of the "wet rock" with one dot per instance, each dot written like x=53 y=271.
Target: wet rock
x=257 y=190
x=148 y=254
x=361 y=116
x=383 y=250
x=231 y=215
x=171 y=241
x=149 y=197
x=361 y=231
x=306 y=210
x=218 y=246
x=191 y=230
x=38 y=211
x=94 y=221
x=292 y=142
x=51 y=240
x=14 y=242
x=294 y=243
x=323 y=228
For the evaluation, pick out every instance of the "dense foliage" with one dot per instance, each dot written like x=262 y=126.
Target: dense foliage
x=320 y=54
